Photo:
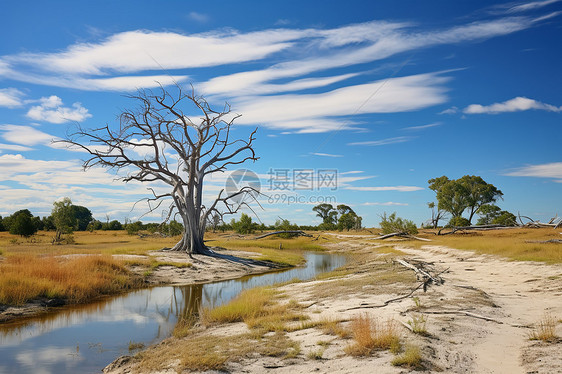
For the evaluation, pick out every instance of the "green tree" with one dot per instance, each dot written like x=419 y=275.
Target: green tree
x=505 y=218
x=63 y=219
x=458 y=222
x=114 y=225
x=21 y=223
x=83 y=217
x=244 y=225
x=328 y=215
x=391 y=224
x=492 y=214
x=2 y=228
x=467 y=193
x=487 y=213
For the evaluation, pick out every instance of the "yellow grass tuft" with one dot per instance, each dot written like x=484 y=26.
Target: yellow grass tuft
x=371 y=334
x=545 y=329
x=411 y=358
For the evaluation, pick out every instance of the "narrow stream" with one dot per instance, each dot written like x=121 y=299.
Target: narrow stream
x=85 y=338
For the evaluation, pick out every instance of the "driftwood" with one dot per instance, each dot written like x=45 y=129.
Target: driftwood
x=554 y=222
x=402 y=235
x=292 y=232
x=426 y=279
x=477 y=227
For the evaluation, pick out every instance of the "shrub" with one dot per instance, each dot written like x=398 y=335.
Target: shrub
x=392 y=224
x=244 y=226
x=458 y=222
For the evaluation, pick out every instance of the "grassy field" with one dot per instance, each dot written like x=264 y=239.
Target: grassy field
x=518 y=244
x=33 y=268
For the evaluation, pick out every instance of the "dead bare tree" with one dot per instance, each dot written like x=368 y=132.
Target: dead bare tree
x=177 y=139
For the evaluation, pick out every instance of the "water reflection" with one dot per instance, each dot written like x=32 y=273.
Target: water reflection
x=85 y=338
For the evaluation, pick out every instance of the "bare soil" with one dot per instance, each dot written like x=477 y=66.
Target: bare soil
x=478 y=321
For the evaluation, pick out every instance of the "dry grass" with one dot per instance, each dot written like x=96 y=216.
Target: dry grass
x=97 y=242
x=516 y=244
x=371 y=335
x=257 y=307
x=411 y=358
x=545 y=329
x=27 y=277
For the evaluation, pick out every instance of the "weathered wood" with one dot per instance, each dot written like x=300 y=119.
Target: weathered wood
x=292 y=232
x=402 y=235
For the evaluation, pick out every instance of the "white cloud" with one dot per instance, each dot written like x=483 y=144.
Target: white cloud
x=422 y=127
x=386 y=188
x=319 y=112
x=398 y=139
x=198 y=17
x=147 y=50
x=451 y=110
x=13 y=147
x=52 y=110
x=523 y=7
x=124 y=53
x=325 y=154
x=25 y=135
x=11 y=97
x=550 y=170
x=514 y=105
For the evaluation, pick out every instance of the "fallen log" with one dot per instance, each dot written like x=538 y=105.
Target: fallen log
x=477 y=227
x=292 y=232
x=402 y=235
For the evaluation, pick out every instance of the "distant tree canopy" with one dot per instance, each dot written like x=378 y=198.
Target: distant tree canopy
x=22 y=223
x=391 y=224
x=244 y=225
x=492 y=214
x=342 y=217
x=468 y=193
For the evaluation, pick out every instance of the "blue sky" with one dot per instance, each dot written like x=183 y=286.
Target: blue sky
x=385 y=94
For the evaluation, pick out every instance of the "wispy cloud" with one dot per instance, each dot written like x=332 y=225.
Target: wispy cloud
x=376 y=143
x=527 y=6
x=422 y=127
x=198 y=17
x=326 y=111
x=25 y=135
x=549 y=170
x=325 y=154
x=109 y=63
x=11 y=97
x=514 y=105
x=451 y=110
x=52 y=110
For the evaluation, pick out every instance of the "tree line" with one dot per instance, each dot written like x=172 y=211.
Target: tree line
x=65 y=218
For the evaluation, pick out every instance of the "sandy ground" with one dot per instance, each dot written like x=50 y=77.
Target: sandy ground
x=513 y=296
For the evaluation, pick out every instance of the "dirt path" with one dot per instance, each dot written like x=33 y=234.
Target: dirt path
x=521 y=293
x=513 y=296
